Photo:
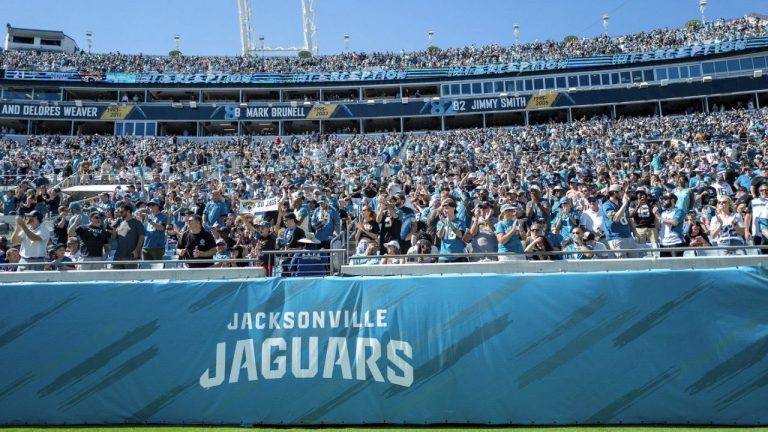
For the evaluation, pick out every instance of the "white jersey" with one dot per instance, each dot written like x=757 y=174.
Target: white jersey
x=38 y=248
x=759 y=210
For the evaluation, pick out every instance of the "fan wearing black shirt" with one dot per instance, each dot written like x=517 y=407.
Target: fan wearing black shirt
x=94 y=240
x=59 y=232
x=196 y=243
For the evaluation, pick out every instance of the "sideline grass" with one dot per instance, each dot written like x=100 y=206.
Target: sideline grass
x=387 y=429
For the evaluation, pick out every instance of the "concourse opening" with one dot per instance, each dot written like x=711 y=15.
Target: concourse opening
x=94 y=127
x=218 y=128
x=341 y=126
x=177 y=128
x=681 y=106
x=539 y=117
x=261 y=96
x=341 y=95
x=381 y=125
x=732 y=102
x=591 y=112
x=763 y=99
x=13 y=126
x=301 y=95
x=381 y=93
x=171 y=96
x=96 y=95
x=464 y=121
x=221 y=96
x=50 y=127
x=412 y=124
x=301 y=127
x=506 y=119
x=260 y=128
x=647 y=109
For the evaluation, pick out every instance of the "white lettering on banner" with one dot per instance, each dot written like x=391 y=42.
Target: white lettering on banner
x=320 y=319
x=259 y=206
x=11 y=109
x=49 y=111
x=484 y=104
x=679 y=53
x=489 y=104
x=347 y=358
x=275 y=357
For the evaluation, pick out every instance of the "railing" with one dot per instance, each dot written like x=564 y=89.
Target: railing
x=596 y=253
x=290 y=263
x=486 y=263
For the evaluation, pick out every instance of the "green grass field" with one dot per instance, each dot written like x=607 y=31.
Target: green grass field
x=383 y=429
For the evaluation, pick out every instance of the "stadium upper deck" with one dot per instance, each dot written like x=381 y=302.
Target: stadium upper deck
x=660 y=39
x=662 y=72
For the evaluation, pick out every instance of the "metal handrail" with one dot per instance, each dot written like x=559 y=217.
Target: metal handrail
x=557 y=253
x=105 y=261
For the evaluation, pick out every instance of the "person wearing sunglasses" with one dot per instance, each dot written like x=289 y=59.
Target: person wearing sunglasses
x=671 y=220
x=727 y=227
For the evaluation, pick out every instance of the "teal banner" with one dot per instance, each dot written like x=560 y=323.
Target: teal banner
x=688 y=346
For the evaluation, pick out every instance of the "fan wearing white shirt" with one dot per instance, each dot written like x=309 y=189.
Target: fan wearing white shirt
x=33 y=237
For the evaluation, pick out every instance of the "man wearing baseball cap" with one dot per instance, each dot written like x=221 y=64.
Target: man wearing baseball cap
x=671 y=222
x=509 y=234
x=33 y=237
x=618 y=225
x=154 y=221
x=325 y=219
x=94 y=241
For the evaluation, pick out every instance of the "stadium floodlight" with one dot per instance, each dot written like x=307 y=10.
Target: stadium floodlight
x=89 y=40
x=247 y=35
x=702 y=9
x=757 y=74
x=177 y=40
x=605 y=24
x=516 y=29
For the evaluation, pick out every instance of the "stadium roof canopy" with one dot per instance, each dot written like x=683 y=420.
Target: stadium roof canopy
x=15 y=31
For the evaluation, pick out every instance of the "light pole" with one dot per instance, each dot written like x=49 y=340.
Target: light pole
x=177 y=39
x=702 y=9
x=89 y=39
x=430 y=35
x=516 y=29
x=605 y=25
x=346 y=42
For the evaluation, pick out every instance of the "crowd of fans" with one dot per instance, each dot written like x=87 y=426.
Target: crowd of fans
x=584 y=187
x=716 y=31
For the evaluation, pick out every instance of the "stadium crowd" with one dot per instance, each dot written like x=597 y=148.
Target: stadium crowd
x=582 y=187
x=716 y=31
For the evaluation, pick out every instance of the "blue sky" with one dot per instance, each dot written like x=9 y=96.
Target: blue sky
x=211 y=27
